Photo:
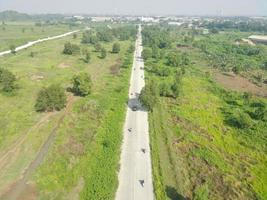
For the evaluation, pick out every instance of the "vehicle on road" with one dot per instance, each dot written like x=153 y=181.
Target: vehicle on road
x=134 y=108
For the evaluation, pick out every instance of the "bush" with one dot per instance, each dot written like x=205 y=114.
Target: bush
x=7 y=80
x=148 y=95
x=70 y=49
x=240 y=120
x=103 y=53
x=147 y=53
x=12 y=49
x=50 y=99
x=82 y=84
x=116 y=48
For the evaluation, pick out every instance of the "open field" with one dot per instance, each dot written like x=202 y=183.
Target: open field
x=22 y=32
x=87 y=133
x=207 y=142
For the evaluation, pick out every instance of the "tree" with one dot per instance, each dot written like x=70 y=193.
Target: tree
x=50 y=99
x=97 y=47
x=70 y=49
x=177 y=85
x=82 y=84
x=131 y=49
x=103 y=53
x=7 y=80
x=148 y=95
x=12 y=49
x=173 y=59
x=147 y=53
x=116 y=48
x=87 y=55
x=74 y=35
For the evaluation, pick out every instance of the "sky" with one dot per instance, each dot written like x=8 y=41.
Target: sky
x=140 y=7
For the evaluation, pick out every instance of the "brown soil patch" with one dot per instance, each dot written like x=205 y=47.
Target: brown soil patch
x=63 y=65
x=238 y=83
x=29 y=193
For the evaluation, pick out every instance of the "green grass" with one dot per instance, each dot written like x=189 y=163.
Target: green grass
x=197 y=152
x=202 y=149
x=89 y=138
x=20 y=33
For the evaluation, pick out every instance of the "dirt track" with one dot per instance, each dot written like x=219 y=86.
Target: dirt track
x=16 y=190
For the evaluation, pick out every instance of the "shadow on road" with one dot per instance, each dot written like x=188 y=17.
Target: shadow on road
x=173 y=194
x=135 y=103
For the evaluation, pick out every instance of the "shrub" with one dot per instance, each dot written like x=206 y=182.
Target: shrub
x=116 y=48
x=103 y=53
x=239 y=119
x=82 y=84
x=148 y=95
x=50 y=99
x=70 y=49
x=7 y=80
x=12 y=49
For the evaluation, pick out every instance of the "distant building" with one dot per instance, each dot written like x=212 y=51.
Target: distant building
x=78 y=17
x=101 y=19
x=175 y=23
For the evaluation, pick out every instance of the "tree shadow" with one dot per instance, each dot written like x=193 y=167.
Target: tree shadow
x=173 y=194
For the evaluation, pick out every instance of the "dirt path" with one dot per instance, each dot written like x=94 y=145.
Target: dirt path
x=5 y=155
x=16 y=190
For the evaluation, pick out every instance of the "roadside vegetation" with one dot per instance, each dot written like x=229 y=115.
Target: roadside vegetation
x=207 y=142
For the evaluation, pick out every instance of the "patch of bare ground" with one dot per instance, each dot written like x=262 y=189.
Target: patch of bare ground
x=115 y=69
x=239 y=83
x=29 y=193
x=16 y=191
x=63 y=65
x=37 y=77
x=15 y=147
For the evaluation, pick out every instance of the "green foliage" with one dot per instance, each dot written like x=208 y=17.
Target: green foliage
x=70 y=49
x=50 y=99
x=173 y=59
x=148 y=95
x=87 y=55
x=116 y=48
x=103 y=53
x=89 y=38
x=177 y=85
x=147 y=53
x=104 y=34
x=201 y=192
x=156 y=36
x=82 y=84
x=7 y=80
x=98 y=47
x=12 y=49
x=125 y=32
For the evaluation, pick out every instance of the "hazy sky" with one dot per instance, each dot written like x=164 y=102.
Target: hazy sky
x=145 y=7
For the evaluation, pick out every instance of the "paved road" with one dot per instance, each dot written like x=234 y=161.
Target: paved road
x=29 y=44
x=135 y=176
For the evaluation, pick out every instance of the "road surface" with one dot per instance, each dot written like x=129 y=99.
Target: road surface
x=29 y=44
x=135 y=176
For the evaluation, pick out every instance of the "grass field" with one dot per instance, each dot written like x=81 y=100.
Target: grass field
x=198 y=152
x=87 y=142
x=20 y=33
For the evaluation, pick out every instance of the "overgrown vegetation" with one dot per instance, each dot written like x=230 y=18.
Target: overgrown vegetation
x=207 y=142
x=51 y=98
x=82 y=84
